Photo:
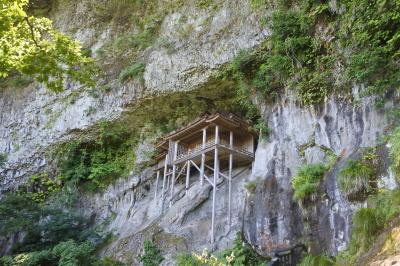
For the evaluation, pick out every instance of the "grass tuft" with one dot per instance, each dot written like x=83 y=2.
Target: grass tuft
x=305 y=183
x=355 y=180
x=135 y=70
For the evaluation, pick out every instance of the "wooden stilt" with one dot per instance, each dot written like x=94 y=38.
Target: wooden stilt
x=216 y=172
x=187 y=175
x=156 y=188
x=203 y=156
x=230 y=180
x=163 y=184
x=174 y=169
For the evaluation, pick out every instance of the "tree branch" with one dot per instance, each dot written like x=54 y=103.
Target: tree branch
x=32 y=31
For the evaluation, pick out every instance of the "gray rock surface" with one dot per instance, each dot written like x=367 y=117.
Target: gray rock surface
x=275 y=221
x=33 y=119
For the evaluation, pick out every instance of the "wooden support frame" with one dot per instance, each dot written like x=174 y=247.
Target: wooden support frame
x=205 y=176
x=197 y=151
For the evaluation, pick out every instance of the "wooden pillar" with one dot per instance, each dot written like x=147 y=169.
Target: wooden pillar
x=187 y=175
x=174 y=168
x=157 y=180
x=203 y=156
x=216 y=173
x=230 y=179
x=216 y=134
x=164 y=180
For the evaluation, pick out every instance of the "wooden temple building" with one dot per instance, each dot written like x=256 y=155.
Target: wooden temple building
x=211 y=145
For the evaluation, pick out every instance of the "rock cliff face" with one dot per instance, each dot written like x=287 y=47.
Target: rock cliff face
x=301 y=136
x=33 y=119
x=268 y=217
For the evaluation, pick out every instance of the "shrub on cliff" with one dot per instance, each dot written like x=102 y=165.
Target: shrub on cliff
x=305 y=183
x=369 y=222
x=316 y=260
x=152 y=254
x=355 y=179
x=240 y=254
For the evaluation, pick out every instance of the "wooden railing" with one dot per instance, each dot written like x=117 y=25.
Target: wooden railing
x=184 y=152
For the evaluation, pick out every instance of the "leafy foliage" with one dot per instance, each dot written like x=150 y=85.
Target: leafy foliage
x=97 y=161
x=152 y=254
x=372 y=30
x=240 y=254
x=357 y=179
x=316 y=260
x=305 y=183
x=54 y=233
x=369 y=222
x=65 y=253
x=41 y=187
x=309 y=42
x=30 y=46
x=44 y=225
x=292 y=56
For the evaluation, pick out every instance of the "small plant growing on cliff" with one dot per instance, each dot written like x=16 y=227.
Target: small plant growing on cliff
x=250 y=187
x=133 y=71
x=98 y=161
x=41 y=187
x=355 y=179
x=3 y=159
x=152 y=254
x=369 y=222
x=316 y=260
x=240 y=254
x=305 y=183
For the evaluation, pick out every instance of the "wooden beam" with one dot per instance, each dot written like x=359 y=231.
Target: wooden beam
x=205 y=176
x=180 y=172
x=212 y=169
x=211 y=148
